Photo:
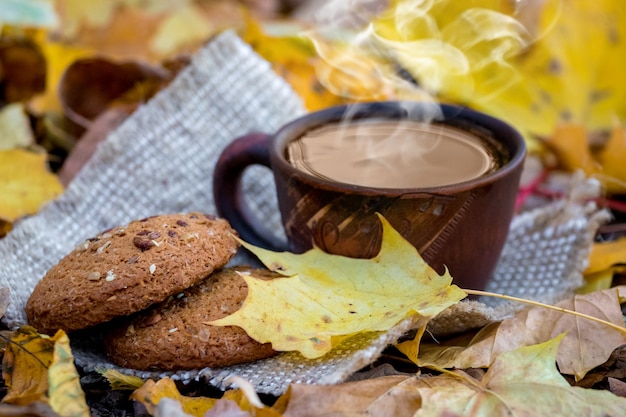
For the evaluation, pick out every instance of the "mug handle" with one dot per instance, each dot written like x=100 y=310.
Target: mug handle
x=243 y=152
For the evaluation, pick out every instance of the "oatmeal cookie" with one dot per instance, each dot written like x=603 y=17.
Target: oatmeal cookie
x=129 y=268
x=174 y=334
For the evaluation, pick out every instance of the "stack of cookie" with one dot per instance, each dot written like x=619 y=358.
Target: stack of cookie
x=152 y=286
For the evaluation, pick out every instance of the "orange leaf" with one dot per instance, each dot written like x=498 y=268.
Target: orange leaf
x=571 y=146
x=612 y=160
x=152 y=392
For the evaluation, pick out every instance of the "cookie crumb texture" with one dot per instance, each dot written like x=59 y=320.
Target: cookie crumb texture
x=174 y=335
x=129 y=268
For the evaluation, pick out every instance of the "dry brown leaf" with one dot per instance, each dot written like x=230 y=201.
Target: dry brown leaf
x=391 y=396
x=58 y=56
x=98 y=130
x=5 y=227
x=90 y=86
x=35 y=409
x=586 y=345
x=5 y=299
x=22 y=69
x=522 y=382
x=617 y=387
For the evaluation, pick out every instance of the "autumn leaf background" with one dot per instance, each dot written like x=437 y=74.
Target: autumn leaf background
x=71 y=71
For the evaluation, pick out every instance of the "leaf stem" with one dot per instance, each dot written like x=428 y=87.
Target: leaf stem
x=614 y=326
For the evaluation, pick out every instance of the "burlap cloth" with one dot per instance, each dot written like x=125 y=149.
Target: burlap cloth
x=160 y=160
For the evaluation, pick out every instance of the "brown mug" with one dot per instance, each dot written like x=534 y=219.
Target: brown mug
x=461 y=226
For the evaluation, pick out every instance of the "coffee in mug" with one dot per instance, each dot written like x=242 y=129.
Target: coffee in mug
x=394 y=154
x=448 y=185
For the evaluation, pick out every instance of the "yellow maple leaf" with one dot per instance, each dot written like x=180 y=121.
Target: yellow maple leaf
x=151 y=393
x=573 y=73
x=535 y=65
x=65 y=393
x=25 y=183
x=455 y=50
x=324 y=297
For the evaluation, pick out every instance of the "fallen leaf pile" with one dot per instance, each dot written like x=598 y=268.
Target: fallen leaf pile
x=71 y=71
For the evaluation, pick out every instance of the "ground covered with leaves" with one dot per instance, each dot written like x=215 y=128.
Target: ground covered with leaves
x=72 y=71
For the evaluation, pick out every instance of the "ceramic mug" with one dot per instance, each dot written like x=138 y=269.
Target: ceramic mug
x=461 y=226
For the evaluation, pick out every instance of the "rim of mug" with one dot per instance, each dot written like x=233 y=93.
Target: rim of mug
x=390 y=110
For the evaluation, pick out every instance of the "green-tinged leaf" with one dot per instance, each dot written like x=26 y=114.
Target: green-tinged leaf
x=523 y=382
x=120 y=381
x=66 y=394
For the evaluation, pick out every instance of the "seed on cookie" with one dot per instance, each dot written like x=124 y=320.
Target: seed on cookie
x=94 y=276
x=143 y=244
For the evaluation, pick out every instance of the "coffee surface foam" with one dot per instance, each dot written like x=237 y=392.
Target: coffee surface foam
x=392 y=154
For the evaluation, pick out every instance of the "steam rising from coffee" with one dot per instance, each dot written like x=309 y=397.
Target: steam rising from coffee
x=419 y=50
